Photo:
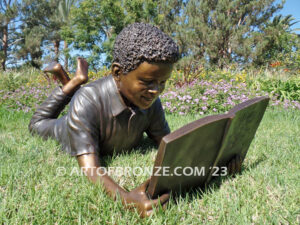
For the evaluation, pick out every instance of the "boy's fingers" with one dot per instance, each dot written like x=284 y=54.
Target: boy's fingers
x=141 y=190
x=162 y=199
x=165 y=206
x=148 y=213
x=144 y=185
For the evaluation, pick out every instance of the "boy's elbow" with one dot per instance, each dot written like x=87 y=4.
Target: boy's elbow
x=31 y=126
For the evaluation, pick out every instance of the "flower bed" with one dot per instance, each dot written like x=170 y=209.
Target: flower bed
x=205 y=93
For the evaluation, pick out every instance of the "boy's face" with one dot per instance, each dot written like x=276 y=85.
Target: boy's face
x=142 y=86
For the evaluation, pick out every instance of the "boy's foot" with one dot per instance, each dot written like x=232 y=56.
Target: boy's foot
x=81 y=77
x=57 y=70
x=81 y=74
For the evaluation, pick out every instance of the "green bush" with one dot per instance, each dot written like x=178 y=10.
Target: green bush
x=281 y=89
x=12 y=81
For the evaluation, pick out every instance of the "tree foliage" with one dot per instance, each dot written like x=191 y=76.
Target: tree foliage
x=221 y=30
x=277 y=40
x=96 y=23
x=8 y=15
x=209 y=32
x=38 y=28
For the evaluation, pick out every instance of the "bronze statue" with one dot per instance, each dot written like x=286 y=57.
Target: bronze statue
x=112 y=113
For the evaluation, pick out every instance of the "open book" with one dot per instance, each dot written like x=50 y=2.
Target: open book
x=193 y=154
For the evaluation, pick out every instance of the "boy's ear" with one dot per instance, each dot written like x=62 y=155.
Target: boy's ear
x=116 y=70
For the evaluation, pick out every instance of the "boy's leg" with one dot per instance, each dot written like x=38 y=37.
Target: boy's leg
x=81 y=77
x=57 y=70
x=44 y=119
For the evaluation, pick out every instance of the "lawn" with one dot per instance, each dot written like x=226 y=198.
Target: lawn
x=33 y=192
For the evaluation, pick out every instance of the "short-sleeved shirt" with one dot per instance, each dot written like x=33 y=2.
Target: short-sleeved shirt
x=98 y=121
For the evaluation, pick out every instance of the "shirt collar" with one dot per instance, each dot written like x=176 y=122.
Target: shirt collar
x=117 y=103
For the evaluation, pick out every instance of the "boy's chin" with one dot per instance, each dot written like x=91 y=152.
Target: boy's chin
x=145 y=105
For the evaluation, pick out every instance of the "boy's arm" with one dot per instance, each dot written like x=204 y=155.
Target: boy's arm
x=90 y=165
x=136 y=198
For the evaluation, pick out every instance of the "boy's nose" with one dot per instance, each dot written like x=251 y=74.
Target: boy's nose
x=153 y=91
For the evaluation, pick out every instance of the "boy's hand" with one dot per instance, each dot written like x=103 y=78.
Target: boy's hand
x=235 y=165
x=138 y=198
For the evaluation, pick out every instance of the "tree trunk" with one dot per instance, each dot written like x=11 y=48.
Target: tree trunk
x=5 y=45
x=66 y=56
x=56 y=49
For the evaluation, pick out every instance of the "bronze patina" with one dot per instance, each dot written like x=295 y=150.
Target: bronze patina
x=143 y=60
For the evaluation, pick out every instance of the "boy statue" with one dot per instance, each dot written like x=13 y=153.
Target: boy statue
x=111 y=114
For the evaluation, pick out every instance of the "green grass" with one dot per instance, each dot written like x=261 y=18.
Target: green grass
x=266 y=192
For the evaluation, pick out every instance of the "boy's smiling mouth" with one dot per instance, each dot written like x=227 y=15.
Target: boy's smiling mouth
x=148 y=101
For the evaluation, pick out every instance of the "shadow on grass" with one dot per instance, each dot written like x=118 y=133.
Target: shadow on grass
x=145 y=146
x=214 y=184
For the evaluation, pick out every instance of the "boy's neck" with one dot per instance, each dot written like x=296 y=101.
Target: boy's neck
x=126 y=101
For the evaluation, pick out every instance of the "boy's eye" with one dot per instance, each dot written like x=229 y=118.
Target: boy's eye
x=147 y=82
x=150 y=82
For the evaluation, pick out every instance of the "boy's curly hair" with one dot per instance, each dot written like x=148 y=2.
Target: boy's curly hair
x=141 y=42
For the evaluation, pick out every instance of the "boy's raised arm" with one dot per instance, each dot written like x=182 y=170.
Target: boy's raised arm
x=137 y=198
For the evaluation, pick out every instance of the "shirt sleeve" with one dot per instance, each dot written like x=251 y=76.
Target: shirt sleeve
x=83 y=121
x=158 y=125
